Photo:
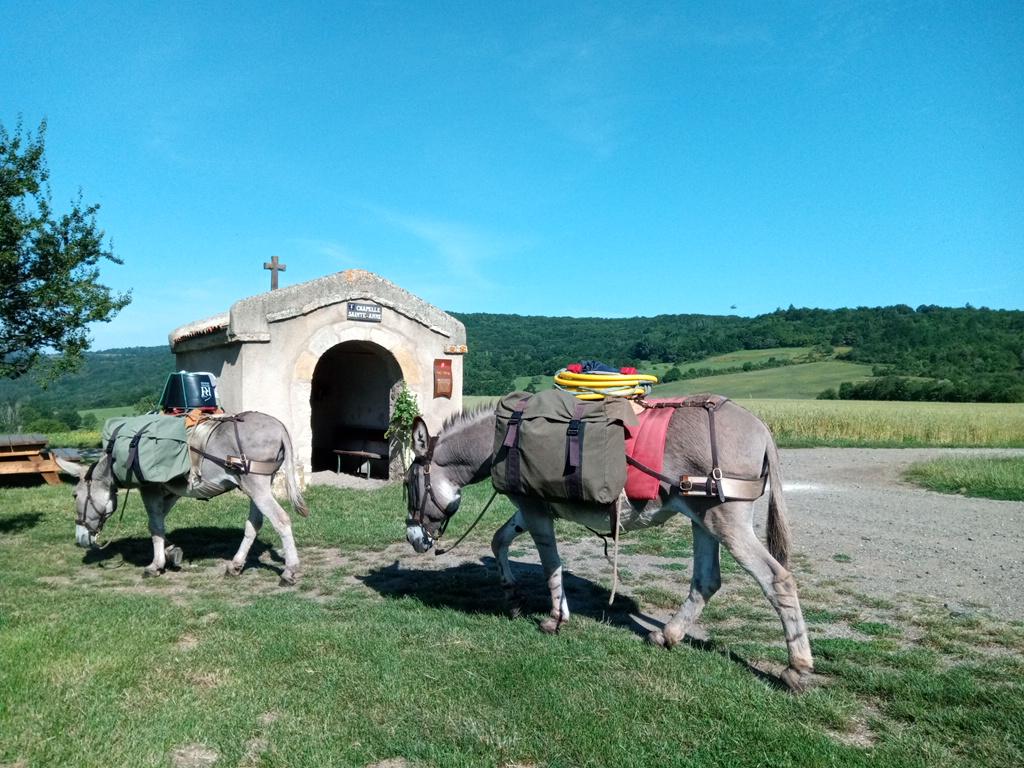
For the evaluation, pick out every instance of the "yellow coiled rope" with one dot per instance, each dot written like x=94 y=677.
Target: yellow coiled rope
x=597 y=386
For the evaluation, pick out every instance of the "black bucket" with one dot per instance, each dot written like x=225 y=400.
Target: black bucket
x=186 y=390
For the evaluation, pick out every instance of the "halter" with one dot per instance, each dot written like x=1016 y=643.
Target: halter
x=417 y=501
x=80 y=517
x=102 y=514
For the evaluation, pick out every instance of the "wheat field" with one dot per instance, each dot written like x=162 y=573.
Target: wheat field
x=858 y=422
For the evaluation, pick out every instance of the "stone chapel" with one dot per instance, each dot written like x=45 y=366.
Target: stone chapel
x=328 y=358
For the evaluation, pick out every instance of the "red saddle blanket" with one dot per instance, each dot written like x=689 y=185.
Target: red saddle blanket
x=646 y=444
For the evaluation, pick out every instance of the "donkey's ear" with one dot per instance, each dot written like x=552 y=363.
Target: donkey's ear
x=71 y=467
x=420 y=438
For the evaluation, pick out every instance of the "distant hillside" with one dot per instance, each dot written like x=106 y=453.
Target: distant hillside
x=798 y=373
x=963 y=353
x=113 y=377
x=980 y=350
x=804 y=381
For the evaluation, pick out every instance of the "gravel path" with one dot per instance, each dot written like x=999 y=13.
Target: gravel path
x=899 y=538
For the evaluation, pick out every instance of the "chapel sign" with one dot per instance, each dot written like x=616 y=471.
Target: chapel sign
x=364 y=311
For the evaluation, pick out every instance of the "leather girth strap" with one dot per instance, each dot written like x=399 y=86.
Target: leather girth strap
x=715 y=484
x=241 y=463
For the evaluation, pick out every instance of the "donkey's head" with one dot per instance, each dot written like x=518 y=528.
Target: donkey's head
x=95 y=497
x=432 y=496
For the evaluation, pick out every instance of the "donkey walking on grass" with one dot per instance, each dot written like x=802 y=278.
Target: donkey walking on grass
x=254 y=434
x=463 y=453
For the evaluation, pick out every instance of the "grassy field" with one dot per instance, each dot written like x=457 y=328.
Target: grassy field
x=102 y=414
x=805 y=423
x=732 y=359
x=804 y=381
x=374 y=658
x=998 y=478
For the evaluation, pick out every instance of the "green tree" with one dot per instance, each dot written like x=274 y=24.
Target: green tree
x=672 y=374
x=49 y=266
x=70 y=417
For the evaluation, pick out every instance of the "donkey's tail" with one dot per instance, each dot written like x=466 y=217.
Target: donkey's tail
x=290 y=478
x=778 y=527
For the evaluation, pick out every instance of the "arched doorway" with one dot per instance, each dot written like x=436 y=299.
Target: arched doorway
x=352 y=392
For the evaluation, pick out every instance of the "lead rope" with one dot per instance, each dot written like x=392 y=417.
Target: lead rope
x=117 y=530
x=478 y=518
x=615 y=557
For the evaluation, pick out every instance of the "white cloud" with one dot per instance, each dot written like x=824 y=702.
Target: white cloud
x=333 y=250
x=464 y=253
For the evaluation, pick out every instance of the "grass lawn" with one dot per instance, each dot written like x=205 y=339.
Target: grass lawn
x=376 y=660
x=998 y=478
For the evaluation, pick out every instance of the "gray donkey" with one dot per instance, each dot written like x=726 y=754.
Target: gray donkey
x=463 y=453
x=221 y=455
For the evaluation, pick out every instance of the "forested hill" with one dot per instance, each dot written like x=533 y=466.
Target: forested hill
x=981 y=350
x=113 y=377
x=983 y=346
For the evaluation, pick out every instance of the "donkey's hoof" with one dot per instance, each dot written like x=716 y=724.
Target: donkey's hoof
x=551 y=625
x=174 y=556
x=655 y=638
x=288 y=578
x=150 y=573
x=233 y=570
x=795 y=680
x=514 y=601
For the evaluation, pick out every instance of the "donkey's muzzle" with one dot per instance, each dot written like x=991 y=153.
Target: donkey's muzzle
x=83 y=538
x=419 y=538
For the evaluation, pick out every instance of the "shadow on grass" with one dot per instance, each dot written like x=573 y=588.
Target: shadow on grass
x=473 y=588
x=198 y=543
x=710 y=646
x=20 y=522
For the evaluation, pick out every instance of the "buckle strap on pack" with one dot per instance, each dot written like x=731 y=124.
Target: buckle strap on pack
x=133 y=466
x=715 y=484
x=513 y=475
x=716 y=471
x=109 y=450
x=574 y=454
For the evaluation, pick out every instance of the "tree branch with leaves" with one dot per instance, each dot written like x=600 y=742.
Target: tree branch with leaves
x=49 y=266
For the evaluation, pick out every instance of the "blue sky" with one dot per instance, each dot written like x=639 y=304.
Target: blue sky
x=584 y=159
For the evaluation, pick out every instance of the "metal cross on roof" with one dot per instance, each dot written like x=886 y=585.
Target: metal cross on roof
x=274 y=266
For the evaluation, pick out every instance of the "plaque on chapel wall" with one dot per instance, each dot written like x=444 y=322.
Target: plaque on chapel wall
x=364 y=311
x=443 y=378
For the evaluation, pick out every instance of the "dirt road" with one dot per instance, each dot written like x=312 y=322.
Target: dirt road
x=856 y=520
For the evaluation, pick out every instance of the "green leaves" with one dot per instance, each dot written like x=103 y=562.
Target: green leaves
x=49 y=266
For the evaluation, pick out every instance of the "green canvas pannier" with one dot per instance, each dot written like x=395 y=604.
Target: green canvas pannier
x=147 y=449
x=561 y=448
